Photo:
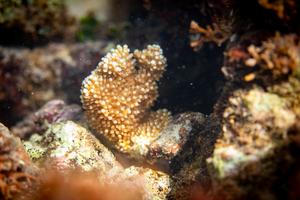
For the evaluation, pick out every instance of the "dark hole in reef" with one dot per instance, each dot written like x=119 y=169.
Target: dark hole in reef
x=192 y=80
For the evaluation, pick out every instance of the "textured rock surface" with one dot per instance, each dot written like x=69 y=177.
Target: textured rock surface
x=68 y=145
x=30 y=78
x=173 y=138
x=52 y=112
x=256 y=142
x=156 y=184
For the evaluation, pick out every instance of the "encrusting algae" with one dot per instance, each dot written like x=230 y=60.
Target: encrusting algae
x=118 y=94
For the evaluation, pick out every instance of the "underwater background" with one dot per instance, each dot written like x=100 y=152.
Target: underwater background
x=149 y=99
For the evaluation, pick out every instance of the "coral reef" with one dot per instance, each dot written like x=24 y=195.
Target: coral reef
x=52 y=112
x=66 y=145
x=255 y=141
x=17 y=173
x=30 y=78
x=22 y=22
x=119 y=92
x=279 y=55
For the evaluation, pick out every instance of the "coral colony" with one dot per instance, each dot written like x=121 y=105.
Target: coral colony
x=119 y=92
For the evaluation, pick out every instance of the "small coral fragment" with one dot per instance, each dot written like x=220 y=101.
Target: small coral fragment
x=209 y=34
x=119 y=92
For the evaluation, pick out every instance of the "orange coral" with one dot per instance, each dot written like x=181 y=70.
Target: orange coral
x=282 y=8
x=209 y=34
x=15 y=167
x=279 y=55
x=119 y=92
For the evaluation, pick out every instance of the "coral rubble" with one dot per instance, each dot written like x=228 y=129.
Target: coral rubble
x=119 y=92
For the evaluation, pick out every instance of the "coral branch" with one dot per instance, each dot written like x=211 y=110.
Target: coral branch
x=209 y=34
x=278 y=55
x=119 y=92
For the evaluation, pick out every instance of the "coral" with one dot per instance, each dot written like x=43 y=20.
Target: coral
x=284 y=9
x=209 y=34
x=16 y=170
x=24 y=20
x=279 y=55
x=119 y=92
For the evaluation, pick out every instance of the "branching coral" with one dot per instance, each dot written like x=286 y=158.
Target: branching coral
x=283 y=8
x=119 y=92
x=209 y=34
x=279 y=55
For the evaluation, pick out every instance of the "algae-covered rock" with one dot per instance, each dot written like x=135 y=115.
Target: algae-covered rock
x=172 y=139
x=68 y=145
x=52 y=112
x=155 y=183
x=254 y=154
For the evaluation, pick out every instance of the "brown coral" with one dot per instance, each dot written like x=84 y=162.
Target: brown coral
x=283 y=8
x=15 y=167
x=279 y=55
x=209 y=34
x=119 y=92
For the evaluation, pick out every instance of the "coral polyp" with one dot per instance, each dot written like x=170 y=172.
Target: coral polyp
x=118 y=94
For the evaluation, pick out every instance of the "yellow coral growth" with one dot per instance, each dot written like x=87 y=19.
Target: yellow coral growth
x=118 y=94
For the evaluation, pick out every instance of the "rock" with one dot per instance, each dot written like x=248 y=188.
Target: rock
x=255 y=142
x=52 y=112
x=67 y=145
x=156 y=184
x=31 y=77
x=172 y=139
